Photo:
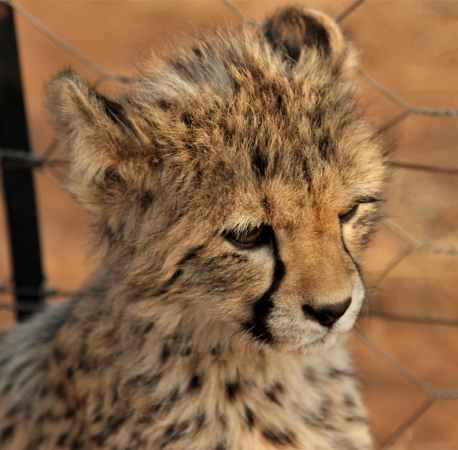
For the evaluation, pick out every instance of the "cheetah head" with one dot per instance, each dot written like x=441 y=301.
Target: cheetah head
x=235 y=179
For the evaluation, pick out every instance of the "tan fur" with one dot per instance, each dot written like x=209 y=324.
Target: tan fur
x=185 y=339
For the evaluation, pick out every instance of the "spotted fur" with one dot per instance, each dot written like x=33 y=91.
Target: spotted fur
x=184 y=338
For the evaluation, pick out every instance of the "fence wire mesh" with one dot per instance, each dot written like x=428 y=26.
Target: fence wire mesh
x=12 y=158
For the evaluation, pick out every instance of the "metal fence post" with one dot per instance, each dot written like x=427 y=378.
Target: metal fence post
x=18 y=182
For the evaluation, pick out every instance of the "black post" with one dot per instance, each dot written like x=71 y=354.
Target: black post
x=18 y=183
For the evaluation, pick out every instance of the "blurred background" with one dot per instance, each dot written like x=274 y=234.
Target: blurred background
x=406 y=344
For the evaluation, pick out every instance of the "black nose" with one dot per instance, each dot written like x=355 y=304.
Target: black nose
x=327 y=314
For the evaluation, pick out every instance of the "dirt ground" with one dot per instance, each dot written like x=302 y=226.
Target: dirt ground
x=411 y=48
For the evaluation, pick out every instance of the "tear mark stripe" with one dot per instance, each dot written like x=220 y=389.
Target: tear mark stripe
x=350 y=255
x=257 y=326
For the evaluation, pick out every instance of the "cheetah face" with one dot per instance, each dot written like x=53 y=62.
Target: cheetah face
x=292 y=284
x=236 y=180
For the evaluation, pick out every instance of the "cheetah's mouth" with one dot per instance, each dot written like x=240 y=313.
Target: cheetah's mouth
x=321 y=344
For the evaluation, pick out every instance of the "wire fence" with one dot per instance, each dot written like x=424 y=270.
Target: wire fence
x=15 y=158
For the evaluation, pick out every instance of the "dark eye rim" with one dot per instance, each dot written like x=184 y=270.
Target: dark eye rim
x=346 y=217
x=264 y=238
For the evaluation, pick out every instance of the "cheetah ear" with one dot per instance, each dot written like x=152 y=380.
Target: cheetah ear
x=293 y=29
x=110 y=160
x=97 y=133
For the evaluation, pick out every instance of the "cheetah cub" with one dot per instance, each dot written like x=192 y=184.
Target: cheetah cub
x=234 y=188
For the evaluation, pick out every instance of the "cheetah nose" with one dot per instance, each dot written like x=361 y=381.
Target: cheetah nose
x=327 y=314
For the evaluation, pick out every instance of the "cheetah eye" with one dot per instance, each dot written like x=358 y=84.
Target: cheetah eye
x=346 y=217
x=252 y=238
